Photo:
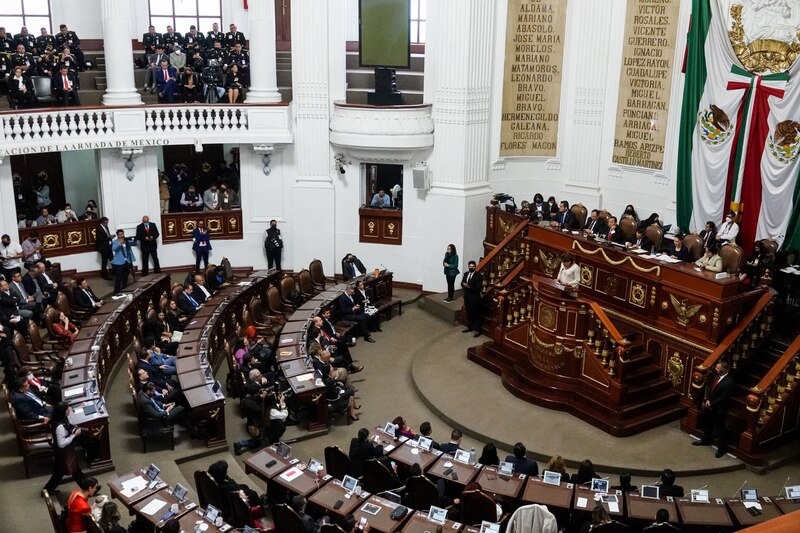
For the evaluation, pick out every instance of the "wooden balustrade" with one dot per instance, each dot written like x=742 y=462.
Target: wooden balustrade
x=64 y=239
x=178 y=227
x=506 y=257
x=769 y=395
x=612 y=347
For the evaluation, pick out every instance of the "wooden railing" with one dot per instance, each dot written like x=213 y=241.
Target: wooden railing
x=505 y=257
x=608 y=343
x=741 y=341
x=64 y=239
x=771 y=393
x=513 y=303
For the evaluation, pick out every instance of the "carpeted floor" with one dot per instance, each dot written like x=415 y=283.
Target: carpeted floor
x=415 y=348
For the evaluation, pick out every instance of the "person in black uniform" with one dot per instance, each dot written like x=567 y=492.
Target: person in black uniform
x=362 y=449
x=171 y=39
x=45 y=42
x=69 y=38
x=147 y=235
x=472 y=283
x=233 y=37
x=193 y=40
x=214 y=35
x=23 y=60
x=151 y=40
x=274 y=245
x=6 y=42
x=25 y=39
x=715 y=406
x=102 y=244
x=240 y=58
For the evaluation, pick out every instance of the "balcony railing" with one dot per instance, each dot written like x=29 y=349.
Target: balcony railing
x=82 y=128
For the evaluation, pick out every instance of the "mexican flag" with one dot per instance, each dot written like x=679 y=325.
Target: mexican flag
x=740 y=137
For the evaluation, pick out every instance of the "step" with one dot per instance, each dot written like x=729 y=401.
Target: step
x=434 y=305
x=643 y=374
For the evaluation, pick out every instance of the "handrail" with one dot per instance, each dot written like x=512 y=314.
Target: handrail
x=612 y=329
x=777 y=369
x=731 y=338
x=511 y=275
x=497 y=249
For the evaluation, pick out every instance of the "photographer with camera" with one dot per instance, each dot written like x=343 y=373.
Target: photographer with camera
x=266 y=413
x=213 y=82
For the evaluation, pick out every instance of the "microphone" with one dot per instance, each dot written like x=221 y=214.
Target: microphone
x=398 y=489
x=785 y=484
x=701 y=488
x=740 y=488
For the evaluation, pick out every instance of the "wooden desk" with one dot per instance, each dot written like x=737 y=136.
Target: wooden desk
x=87 y=332
x=295 y=367
x=581 y=492
x=163 y=495
x=389 y=443
x=188 y=521
x=115 y=487
x=286 y=353
x=743 y=517
x=312 y=306
x=381 y=522
x=404 y=454
x=643 y=510
x=295 y=327
x=193 y=379
x=537 y=491
x=712 y=514
x=289 y=339
x=380 y=225
x=786 y=505
x=419 y=523
x=80 y=360
x=466 y=473
x=304 y=483
x=257 y=464
x=187 y=364
x=81 y=346
x=327 y=496
x=76 y=376
x=208 y=410
x=501 y=488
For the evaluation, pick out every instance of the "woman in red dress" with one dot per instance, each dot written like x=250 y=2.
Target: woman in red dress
x=78 y=508
x=65 y=329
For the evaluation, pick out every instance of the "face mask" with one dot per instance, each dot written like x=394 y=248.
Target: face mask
x=728 y=219
x=549 y=203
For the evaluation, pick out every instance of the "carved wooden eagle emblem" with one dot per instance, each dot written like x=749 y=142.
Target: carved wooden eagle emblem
x=683 y=311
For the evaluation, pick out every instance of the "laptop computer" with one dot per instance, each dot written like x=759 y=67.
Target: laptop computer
x=152 y=472
x=180 y=492
x=211 y=514
x=599 y=485
x=437 y=515
x=314 y=465
x=649 y=491
x=283 y=449
x=699 y=496
x=349 y=483
x=425 y=443
x=793 y=492
x=462 y=456
x=390 y=429
x=489 y=527
x=749 y=495
x=505 y=468
x=551 y=478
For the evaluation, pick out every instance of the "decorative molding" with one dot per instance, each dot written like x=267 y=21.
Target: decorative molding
x=499 y=165
x=554 y=164
x=615 y=172
x=589 y=109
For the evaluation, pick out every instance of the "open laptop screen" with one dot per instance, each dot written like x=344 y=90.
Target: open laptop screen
x=425 y=443
x=749 y=495
x=599 y=485
x=152 y=472
x=437 y=515
x=649 y=491
x=506 y=468
x=349 y=483
x=552 y=478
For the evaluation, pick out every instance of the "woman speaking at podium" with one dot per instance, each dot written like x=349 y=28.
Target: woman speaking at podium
x=569 y=274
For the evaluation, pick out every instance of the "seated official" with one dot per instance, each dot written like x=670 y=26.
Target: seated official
x=455 y=443
x=186 y=301
x=158 y=375
x=199 y=290
x=728 y=230
x=263 y=430
x=652 y=220
x=678 y=250
x=66 y=215
x=26 y=303
x=640 y=241
x=337 y=348
x=425 y=430
x=381 y=199
x=585 y=473
x=361 y=298
x=352 y=267
x=64 y=329
x=20 y=88
x=354 y=312
x=166 y=363
x=630 y=212
x=565 y=219
x=661 y=523
x=165 y=395
x=47 y=390
x=339 y=396
x=710 y=260
x=614 y=232
x=569 y=273
x=190 y=86
x=595 y=224
x=166 y=81
x=668 y=486
x=233 y=83
x=522 y=465
x=557 y=464
x=28 y=405
x=709 y=233
x=65 y=87
x=31 y=287
x=489 y=455
x=159 y=329
x=363 y=449
x=219 y=473
x=84 y=297
x=177 y=319
x=157 y=413
x=298 y=505
x=752 y=270
x=9 y=312
x=154 y=65
x=45 y=218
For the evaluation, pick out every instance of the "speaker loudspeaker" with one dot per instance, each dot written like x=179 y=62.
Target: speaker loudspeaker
x=420 y=177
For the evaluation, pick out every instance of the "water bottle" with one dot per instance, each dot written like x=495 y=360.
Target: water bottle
x=472 y=456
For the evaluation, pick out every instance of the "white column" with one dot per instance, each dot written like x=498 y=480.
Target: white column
x=263 y=78
x=120 y=84
x=8 y=218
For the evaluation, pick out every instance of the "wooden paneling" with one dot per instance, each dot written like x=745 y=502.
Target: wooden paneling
x=64 y=239
x=178 y=227
x=380 y=226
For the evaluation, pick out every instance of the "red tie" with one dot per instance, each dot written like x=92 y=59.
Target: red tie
x=716 y=382
x=66 y=84
x=165 y=74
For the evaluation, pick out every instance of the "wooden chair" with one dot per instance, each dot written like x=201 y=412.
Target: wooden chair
x=628 y=227
x=305 y=284
x=655 y=234
x=275 y=304
x=378 y=478
x=694 y=244
x=384 y=302
x=421 y=493
x=225 y=264
x=242 y=515
x=731 y=255
x=55 y=516
x=31 y=444
x=262 y=318
x=317 y=274
x=290 y=296
x=51 y=316
x=603 y=215
x=337 y=463
x=287 y=520
x=210 y=273
x=580 y=212
x=65 y=302
x=151 y=428
x=41 y=365
x=477 y=506
x=208 y=492
x=40 y=347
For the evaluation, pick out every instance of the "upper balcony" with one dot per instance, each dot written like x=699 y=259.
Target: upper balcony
x=81 y=128
x=395 y=133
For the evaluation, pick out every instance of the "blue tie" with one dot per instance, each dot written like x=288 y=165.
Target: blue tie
x=194 y=302
x=159 y=409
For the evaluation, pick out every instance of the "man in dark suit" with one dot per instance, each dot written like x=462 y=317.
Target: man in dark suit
x=614 y=232
x=158 y=373
x=363 y=449
x=47 y=285
x=9 y=311
x=565 y=219
x=167 y=81
x=84 y=297
x=157 y=413
x=147 y=235
x=28 y=405
x=200 y=292
x=187 y=302
x=455 y=443
x=668 y=486
x=32 y=287
x=351 y=267
x=26 y=303
x=472 y=283
x=65 y=87
x=595 y=225
x=102 y=244
x=715 y=408
x=709 y=234
x=331 y=340
x=640 y=241
x=522 y=465
x=425 y=430
x=354 y=312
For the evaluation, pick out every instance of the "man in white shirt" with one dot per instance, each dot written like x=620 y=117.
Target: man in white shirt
x=569 y=274
x=728 y=230
x=11 y=257
x=199 y=291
